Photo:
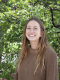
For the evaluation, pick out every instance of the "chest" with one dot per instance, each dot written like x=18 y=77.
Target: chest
x=27 y=68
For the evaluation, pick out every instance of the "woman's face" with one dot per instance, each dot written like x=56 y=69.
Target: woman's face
x=33 y=31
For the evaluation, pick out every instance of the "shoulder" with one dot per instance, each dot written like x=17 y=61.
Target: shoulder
x=50 y=53
x=51 y=61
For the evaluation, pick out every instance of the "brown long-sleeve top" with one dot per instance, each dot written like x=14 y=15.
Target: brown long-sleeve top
x=28 y=66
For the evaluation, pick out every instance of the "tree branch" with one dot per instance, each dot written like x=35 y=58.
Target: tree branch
x=55 y=9
x=6 y=17
x=57 y=26
x=51 y=10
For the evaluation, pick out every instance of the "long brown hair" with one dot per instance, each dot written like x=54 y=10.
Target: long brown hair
x=41 y=46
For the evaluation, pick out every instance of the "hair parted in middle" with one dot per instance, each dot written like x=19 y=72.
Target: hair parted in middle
x=43 y=42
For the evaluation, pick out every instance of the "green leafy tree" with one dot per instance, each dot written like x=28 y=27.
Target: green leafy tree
x=13 y=16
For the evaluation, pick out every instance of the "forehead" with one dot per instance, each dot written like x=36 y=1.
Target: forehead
x=33 y=23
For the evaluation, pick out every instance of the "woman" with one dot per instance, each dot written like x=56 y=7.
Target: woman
x=37 y=60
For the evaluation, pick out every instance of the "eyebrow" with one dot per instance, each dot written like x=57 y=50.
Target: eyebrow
x=30 y=26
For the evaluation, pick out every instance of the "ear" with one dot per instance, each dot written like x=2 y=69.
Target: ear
x=41 y=34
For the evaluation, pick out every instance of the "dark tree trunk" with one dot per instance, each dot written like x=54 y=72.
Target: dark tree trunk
x=1 y=43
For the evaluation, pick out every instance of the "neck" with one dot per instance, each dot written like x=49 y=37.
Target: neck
x=34 y=45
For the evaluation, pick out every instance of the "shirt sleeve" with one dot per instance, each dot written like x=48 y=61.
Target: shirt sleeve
x=51 y=65
x=16 y=76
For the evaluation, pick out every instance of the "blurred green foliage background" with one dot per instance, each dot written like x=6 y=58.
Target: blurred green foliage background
x=13 y=16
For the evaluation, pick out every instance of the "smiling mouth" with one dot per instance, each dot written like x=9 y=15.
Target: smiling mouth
x=31 y=35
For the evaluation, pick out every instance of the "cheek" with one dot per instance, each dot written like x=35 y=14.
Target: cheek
x=26 y=33
x=40 y=33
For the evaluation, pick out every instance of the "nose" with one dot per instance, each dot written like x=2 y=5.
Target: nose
x=31 y=30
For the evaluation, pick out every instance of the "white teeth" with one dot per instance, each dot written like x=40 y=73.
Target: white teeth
x=31 y=35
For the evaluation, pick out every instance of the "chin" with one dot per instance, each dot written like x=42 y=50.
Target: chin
x=32 y=40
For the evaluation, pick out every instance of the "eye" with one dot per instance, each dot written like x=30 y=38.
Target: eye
x=35 y=28
x=28 y=28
